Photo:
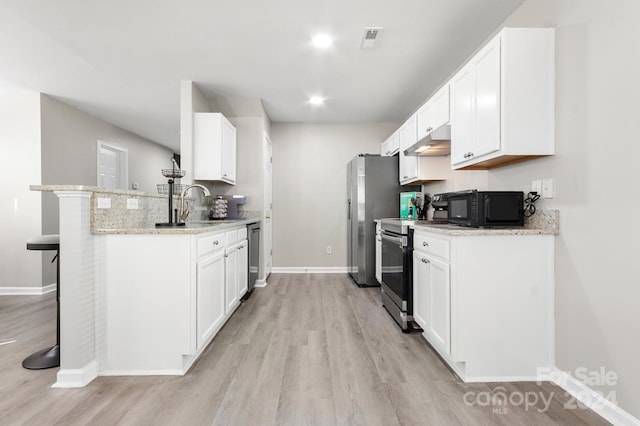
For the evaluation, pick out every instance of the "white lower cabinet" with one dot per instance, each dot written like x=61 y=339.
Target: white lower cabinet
x=231 y=272
x=158 y=312
x=485 y=302
x=210 y=306
x=432 y=299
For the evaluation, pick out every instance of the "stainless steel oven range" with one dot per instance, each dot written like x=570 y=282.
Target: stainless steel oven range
x=397 y=272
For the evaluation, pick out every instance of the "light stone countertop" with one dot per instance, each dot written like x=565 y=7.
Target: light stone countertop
x=544 y=222
x=88 y=188
x=197 y=227
x=456 y=230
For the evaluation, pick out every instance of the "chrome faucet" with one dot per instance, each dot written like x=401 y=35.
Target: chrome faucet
x=184 y=212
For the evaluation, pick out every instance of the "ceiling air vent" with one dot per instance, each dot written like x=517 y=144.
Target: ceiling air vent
x=370 y=36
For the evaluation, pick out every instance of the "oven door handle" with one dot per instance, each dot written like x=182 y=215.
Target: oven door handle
x=398 y=240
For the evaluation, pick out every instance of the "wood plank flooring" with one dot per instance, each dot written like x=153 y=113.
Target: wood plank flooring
x=306 y=350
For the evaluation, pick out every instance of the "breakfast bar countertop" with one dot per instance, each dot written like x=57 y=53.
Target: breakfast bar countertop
x=196 y=227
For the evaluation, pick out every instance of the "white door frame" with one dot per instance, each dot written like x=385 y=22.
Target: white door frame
x=268 y=206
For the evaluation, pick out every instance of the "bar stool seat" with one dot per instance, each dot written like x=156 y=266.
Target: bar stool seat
x=49 y=357
x=44 y=242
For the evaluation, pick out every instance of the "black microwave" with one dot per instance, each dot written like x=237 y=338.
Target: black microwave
x=486 y=208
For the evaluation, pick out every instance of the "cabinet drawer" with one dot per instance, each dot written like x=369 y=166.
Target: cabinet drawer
x=432 y=245
x=210 y=244
x=242 y=234
x=231 y=237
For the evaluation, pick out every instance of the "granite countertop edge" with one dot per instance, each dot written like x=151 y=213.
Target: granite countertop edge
x=197 y=227
x=88 y=188
x=457 y=230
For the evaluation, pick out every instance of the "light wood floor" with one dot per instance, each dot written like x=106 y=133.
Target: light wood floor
x=307 y=349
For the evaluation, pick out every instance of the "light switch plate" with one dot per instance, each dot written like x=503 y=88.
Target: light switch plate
x=104 y=203
x=132 y=203
x=547 y=188
x=536 y=186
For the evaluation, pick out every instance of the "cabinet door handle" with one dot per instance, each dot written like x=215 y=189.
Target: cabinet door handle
x=424 y=260
x=215 y=243
x=405 y=177
x=425 y=244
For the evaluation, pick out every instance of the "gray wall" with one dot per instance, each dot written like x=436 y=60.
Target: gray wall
x=69 y=156
x=310 y=188
x=597 y=133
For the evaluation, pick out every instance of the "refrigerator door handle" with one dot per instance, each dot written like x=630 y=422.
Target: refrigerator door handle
x=349 y=208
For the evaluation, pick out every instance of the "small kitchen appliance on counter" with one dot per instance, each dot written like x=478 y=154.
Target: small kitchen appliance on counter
x=440 y=205
x=476 y=209
x=412 y=205
x=226 y=207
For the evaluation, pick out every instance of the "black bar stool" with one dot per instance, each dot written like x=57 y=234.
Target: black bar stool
x=50 y=357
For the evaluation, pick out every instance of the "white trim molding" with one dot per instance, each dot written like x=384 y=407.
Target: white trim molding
x=592 y=399
x=260 y=283
x=310 y=270
x=76 y=378
x=27 y=291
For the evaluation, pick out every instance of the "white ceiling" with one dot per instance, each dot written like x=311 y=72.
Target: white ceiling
x=122 y=60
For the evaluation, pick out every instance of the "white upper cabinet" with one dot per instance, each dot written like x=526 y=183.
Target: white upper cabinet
x=391 y=145
x=415 y=169
x=434 y=113
x=502 y=101
x=384 y=148
x=408 y=132
x=214 y=148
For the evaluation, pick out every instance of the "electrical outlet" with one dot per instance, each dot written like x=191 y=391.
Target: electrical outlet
x=536 y=186
x=132 y=203
x=329 y=250
x=547 y=188
x=104 y=203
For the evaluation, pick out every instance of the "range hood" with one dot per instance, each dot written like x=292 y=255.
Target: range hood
x=436 y=143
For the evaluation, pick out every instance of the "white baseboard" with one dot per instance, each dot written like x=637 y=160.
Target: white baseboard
x=592 y=399
x=143 y=372
x=27 y=291
x=77 y=378
x=260 y=283
x=310 y=270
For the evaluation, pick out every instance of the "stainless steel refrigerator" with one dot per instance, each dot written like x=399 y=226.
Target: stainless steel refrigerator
x=373 y=192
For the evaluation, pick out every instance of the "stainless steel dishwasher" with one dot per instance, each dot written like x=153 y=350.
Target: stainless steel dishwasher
x=253 y=231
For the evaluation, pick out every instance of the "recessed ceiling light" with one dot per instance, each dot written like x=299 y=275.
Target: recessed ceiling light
x=322 y=41
x=316 y=100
